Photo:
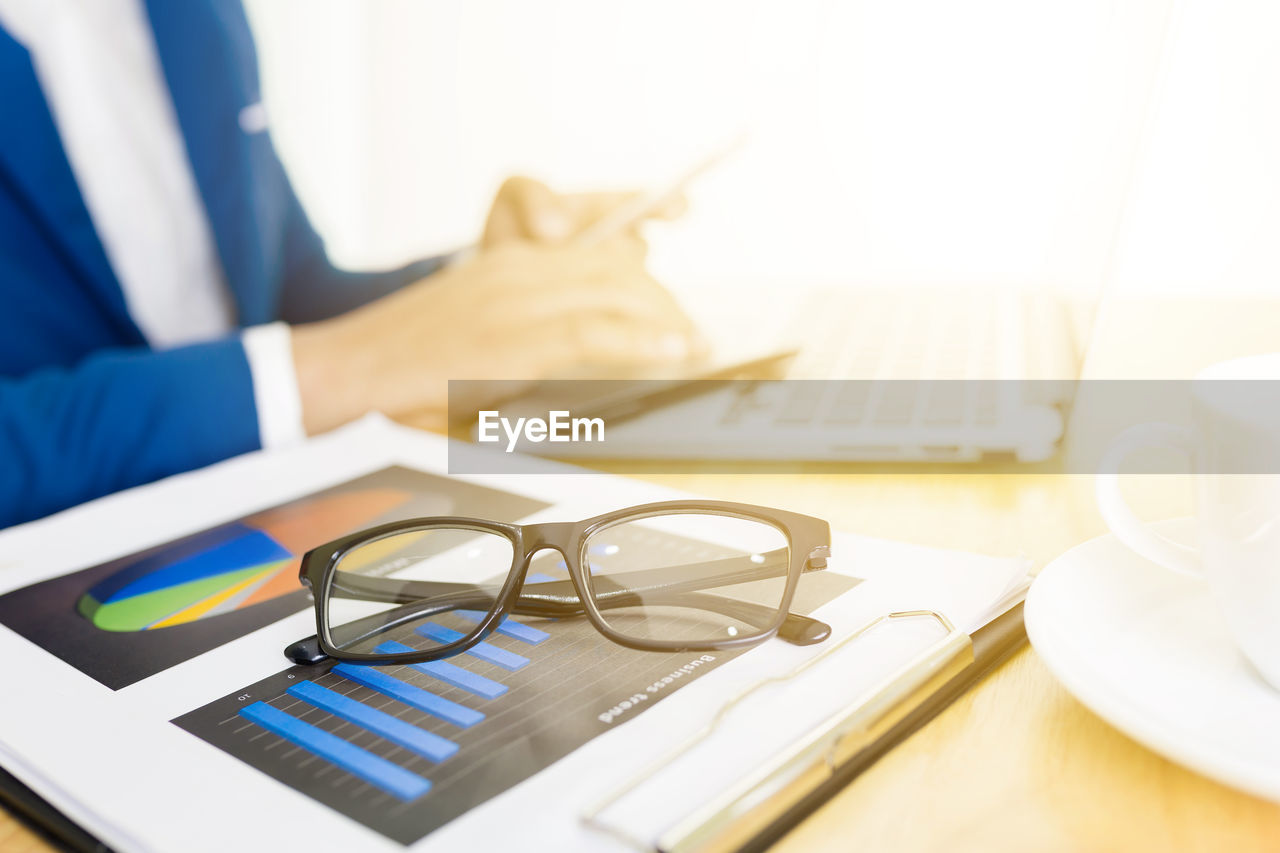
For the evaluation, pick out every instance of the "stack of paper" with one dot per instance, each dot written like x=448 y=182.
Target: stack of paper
x=148 y=698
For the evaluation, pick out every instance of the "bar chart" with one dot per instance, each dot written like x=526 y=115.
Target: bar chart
x=406 y=749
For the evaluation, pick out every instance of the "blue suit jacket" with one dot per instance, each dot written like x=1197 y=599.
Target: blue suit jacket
x=86 y=408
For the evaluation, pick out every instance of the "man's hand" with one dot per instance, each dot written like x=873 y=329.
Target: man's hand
x=518 y=311
x=528 y=210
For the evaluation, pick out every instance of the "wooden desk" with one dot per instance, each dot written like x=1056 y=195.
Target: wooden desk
x=17 y=838
x=1017 y=764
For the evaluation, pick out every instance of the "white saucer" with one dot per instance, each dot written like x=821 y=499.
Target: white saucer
x=1146 y=650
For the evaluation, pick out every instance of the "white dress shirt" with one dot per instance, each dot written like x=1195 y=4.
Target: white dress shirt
x=97 y=65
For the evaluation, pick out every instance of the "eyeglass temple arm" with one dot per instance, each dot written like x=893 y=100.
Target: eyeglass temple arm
x=559 y=598
x=713 y=573
x=796 y=629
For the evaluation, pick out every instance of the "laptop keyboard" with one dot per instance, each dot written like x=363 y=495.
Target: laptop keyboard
x=937 y=337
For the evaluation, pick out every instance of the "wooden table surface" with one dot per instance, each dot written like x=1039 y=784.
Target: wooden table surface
x=1017 y=764
x=15 y=837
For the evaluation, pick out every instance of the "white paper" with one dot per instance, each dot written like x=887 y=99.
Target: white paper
x=114 y=762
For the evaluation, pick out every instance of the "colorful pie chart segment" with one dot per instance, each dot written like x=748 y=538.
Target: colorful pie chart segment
x=231 y=567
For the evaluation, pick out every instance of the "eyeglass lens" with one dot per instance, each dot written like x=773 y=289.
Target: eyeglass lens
x=479 y=558
x=686 y=577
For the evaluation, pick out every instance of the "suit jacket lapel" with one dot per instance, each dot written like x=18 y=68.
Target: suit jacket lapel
x=210 y=85
x=34 y=164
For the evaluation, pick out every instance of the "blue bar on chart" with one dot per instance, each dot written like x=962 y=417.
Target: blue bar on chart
x=508 y=627
x=484 y=651
x=455 y=676
x=412 y=738
x=415 y=697
x=379 y=772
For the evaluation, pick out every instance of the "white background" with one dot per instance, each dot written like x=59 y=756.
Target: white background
x=1006 y=141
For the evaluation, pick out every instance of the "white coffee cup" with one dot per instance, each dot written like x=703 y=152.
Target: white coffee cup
x=1235 y=451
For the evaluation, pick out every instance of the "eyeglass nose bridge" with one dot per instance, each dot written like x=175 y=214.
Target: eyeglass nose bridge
x=536 y=538
x=534 y=550
x=556 y=535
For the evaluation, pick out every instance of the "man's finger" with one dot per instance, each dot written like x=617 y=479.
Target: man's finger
x=589 y=209
x=672 y=207
x=603 y=342
x=528 y=209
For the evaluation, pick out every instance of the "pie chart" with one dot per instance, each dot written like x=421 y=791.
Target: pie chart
x=230 y=567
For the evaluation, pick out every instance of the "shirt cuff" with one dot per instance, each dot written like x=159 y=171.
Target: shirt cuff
x=269 y=350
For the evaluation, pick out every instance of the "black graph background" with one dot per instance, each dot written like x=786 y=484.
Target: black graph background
x=551 y=708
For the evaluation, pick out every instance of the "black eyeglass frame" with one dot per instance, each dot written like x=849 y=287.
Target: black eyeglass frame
x=808 y=539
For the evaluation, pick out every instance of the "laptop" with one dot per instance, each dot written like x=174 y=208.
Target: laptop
x=852 y=374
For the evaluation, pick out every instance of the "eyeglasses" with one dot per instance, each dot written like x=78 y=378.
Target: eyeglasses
x=670 y=576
